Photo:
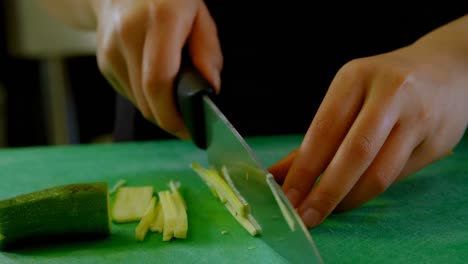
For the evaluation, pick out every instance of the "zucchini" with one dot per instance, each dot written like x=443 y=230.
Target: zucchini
x=67 y=211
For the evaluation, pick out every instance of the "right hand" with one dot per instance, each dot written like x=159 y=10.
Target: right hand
x=139 y=48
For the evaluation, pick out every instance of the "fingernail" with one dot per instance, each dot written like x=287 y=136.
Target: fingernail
x=293 y=196
x=311 y=217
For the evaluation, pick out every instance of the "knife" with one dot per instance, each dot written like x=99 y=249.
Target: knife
x=281 y=226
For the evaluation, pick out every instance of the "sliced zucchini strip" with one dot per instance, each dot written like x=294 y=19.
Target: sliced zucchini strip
x=130 y=203
x=145 y=222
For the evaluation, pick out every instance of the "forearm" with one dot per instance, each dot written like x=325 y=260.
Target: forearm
x=80 y=14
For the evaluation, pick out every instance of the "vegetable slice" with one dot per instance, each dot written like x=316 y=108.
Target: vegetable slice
x=251 y=226
x=67 y=211
x=146 y=220
x=175 y=190
x=170 y=214
x=224 y=192
x=158 y=221
x=131 y=203
x=167 y=216
x=180 y=230
x=117 y=185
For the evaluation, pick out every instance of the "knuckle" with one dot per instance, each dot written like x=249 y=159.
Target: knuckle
x=355 y=68
x=424 y=113
x=421 y=112
x=400 y=78
x=399 y=81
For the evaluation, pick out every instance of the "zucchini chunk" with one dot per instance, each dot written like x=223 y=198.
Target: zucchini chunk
x=67 y=211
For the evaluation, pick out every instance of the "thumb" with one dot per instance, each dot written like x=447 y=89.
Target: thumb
x=205 y=49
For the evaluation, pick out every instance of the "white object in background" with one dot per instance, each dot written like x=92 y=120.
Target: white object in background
x=33 y=34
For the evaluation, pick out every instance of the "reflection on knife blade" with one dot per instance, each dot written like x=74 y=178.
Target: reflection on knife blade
x=234 y=202
x=270 y=179
x=284 y=210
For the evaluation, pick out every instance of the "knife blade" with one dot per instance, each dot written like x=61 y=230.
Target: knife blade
x=210 y=129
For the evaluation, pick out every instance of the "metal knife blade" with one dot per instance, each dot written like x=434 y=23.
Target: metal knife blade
x=282 y=228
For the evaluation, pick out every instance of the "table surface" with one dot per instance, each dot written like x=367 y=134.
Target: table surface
x=422 y=219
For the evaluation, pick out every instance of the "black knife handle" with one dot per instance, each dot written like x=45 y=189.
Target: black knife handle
x=190 y=87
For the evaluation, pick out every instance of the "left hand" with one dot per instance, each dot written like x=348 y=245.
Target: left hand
x=383 y=118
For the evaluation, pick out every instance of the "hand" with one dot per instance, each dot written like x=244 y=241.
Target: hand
x=139 y=46
x=383 y=118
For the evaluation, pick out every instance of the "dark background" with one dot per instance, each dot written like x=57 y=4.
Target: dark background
x=94 y=98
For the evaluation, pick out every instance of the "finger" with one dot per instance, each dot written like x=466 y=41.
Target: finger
x=205 y=49
x=131 y=46
x=168 y=29
x=281 y=168
x=385 y=168
x=334 y=117
x=112 y=65
x=354 y=156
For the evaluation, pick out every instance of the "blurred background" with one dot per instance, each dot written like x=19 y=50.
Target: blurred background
x=51 y=91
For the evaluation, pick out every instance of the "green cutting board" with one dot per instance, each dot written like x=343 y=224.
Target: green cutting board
x=423 y=219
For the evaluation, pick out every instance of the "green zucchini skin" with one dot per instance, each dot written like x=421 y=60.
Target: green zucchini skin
x=67 y=211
